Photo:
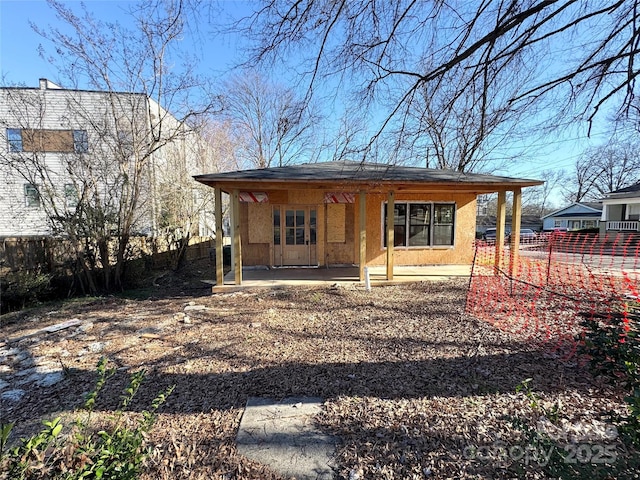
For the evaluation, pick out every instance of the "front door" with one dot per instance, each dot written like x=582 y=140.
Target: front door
x=297 y=245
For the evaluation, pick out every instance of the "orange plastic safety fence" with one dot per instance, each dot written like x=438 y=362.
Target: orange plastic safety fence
x=555 y=282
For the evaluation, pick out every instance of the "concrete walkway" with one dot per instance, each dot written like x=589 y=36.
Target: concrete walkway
x=282 y=435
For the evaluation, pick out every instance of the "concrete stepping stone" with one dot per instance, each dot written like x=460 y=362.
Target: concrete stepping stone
x=282 y=435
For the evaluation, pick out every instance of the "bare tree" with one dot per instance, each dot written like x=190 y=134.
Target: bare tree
x=273 y=127
x=604 y=169
x=135 y=142
x=394 y=51
x=462 y=130
x=536 y=200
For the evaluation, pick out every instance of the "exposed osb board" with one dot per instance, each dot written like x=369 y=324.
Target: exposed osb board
x=256 y=254
x=306 y=197
x=460 y=253
x=336 y=223
x=344 y=253
x=260 y=229
x=47 y=140
x=278 y=197
x=252 y=253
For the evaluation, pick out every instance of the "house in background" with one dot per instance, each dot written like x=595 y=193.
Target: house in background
x=62 y=146
x=576 y=216
x=337 y=213
x=621 y=210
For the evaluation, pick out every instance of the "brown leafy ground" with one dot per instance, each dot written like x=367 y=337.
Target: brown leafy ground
x=413 y=386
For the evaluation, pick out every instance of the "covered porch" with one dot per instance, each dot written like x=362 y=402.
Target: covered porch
x=341 y=276
x=621 y=211
x=377 y=219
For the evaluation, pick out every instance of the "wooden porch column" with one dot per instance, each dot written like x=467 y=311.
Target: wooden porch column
x=390 y=239
x=515 y=230
x=363 y=233
x=237 y=243
x=500 y=227
x=219 y=237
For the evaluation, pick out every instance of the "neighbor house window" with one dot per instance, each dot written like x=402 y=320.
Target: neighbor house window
x=418 y=224
x=70 y=195
x=557 y=223
x=47 y=140
x=31 y=195
x=14 y=139
x=80 y=141
x=125 y=143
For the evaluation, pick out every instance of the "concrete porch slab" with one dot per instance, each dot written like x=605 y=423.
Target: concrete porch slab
x=321 y=276
x=282 y=435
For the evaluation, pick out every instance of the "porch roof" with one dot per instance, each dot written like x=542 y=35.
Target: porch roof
x=346 y=174
x=632 y=191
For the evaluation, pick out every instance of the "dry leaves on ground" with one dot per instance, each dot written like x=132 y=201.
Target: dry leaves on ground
x=414 y=388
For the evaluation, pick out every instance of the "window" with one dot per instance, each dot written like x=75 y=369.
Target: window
x=419 y=220
x=443 y=224
x=399 y=223
x=557 y=223
x=14 y=139
x=70 y=195
x=31 y=195
x=47 y=140
x=421 y=224
x=125 y=143
x=312 y=227
x=80 y=141
x=276 y=226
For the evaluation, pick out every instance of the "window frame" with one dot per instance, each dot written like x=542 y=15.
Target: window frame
x=80 y=141
x=79 y=138
x=31 y=200
x=71 y=197
x=14 y=145
x=407 y=226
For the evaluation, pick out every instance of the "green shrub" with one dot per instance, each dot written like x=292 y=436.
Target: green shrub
x=22 y=288
x=82 y=453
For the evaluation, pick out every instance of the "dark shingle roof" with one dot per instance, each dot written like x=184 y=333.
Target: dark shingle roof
x=579 y=215
x=627 y=192
x=347 y=171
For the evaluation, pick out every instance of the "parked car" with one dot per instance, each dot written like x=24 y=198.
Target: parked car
x=490 y=235
x=526 y=235
x=554 y=232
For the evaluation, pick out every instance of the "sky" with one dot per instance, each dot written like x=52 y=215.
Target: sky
x=20 y=63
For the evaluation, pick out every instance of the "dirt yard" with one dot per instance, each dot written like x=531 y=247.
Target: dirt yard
x=414 y=388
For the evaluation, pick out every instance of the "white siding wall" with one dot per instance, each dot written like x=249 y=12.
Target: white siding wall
x=59 y=109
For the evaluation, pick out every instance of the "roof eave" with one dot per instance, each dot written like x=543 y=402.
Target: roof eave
x=481 y=187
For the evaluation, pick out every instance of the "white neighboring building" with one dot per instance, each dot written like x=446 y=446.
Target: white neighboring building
x=60 y=146
x=621 y=212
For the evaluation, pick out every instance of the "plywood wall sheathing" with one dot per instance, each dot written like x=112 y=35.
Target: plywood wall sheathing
x=260 y=224
x=305 y=197
x=336 y=223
